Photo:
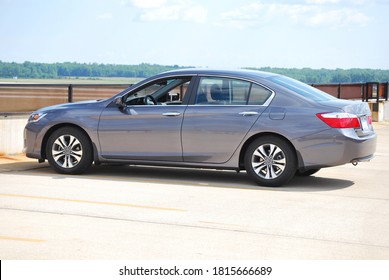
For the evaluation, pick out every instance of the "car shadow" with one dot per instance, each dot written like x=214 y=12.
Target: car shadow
x=316 y=183
x=179 y=176
x=215 y=178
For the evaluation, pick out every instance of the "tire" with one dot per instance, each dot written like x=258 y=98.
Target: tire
x=270 y=161
x=69 y=151
x=307 y=173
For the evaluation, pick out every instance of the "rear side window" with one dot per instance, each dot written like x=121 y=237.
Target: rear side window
x=258 y=95
x=301 y=88
x=225 y=91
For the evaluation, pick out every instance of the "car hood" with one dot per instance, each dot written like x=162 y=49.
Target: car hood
x=353 y=107
x=69 y=106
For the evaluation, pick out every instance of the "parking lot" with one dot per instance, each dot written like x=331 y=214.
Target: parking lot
x=135 y=212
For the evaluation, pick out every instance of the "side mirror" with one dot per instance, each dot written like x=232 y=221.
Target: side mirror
x=119 y=103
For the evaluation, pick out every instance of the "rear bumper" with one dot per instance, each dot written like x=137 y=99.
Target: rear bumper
x=335 y=147
x=359 y=149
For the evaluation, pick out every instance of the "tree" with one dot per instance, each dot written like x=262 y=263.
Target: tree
x=73 y=69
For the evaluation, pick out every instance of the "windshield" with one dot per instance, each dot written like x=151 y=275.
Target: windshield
x=302 y=89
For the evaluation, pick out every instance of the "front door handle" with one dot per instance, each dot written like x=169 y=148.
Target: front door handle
x=248 y=113
x=171 y=114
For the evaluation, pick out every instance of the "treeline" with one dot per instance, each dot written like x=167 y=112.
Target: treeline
x=331 y=76
x=36 y=70
x=144 y=70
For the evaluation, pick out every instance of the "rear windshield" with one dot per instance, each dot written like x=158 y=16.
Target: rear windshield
x=301 y=88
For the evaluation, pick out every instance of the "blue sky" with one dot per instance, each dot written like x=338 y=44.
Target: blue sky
x=230 y=34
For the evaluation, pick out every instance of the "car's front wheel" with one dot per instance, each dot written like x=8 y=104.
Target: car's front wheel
x=69 y=150
x=270 y=161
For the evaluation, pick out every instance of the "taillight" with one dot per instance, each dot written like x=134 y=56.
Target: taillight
x=370 y=119
x=340 y=120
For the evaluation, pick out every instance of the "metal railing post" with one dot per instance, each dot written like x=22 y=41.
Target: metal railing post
x=364 y=92
x=70 y=93
x=339 y=89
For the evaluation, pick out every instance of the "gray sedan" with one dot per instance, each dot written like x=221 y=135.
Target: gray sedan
x=271 y=126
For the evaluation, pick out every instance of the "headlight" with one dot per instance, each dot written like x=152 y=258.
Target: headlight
x=36 y=117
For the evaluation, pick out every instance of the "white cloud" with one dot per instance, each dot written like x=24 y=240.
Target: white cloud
x=147 y=4
x=341 y=17
x=322 y=1
x=106 y=16
x=173 y=10
x=261 y=14
x=345 y=2
x=313 y=14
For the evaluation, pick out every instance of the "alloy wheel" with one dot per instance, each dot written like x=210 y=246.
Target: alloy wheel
x=268 y=161
x=67 y=151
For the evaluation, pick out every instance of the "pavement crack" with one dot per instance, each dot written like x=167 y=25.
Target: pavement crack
x=210 y=227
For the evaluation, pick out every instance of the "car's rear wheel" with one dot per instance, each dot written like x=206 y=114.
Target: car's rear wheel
x=69 y=150
x=270 y=161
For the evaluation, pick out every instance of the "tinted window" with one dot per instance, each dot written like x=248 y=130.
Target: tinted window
x=301 y=88
x=258 y=95
x=224 y=91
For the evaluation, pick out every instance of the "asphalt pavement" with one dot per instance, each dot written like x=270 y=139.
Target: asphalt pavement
x=148 y=213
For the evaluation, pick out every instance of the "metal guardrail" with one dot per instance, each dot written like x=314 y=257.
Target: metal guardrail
x=73 y=87
x=366 y=91
x=16 y=98
x=376 y=91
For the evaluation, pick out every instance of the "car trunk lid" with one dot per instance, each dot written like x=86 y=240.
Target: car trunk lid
x=354 y=108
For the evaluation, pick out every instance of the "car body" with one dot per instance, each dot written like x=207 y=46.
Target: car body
x=270 y=125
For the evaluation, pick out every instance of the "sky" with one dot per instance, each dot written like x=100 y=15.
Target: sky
x=204 y=33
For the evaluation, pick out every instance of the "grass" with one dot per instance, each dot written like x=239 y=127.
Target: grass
x=75 y=80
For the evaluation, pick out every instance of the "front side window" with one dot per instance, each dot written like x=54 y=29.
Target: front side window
x=225 y=91
x=161 y=92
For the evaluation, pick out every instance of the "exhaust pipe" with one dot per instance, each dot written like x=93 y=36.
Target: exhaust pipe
x=362 y=159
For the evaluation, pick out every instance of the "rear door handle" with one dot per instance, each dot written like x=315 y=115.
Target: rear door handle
x=248 y=113
x=171 y=114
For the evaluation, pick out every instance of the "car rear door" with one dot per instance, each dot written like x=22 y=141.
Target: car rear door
x=221 y=115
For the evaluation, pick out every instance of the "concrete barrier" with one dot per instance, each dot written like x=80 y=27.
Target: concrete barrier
x=379 y=110
x=11 y=133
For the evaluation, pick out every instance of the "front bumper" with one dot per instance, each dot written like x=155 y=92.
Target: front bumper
x=32 y=147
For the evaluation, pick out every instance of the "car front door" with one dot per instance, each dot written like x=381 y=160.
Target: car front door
x=142 y=129
x=223 y=112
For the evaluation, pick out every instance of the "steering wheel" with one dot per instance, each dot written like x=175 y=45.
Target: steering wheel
x=149 y=100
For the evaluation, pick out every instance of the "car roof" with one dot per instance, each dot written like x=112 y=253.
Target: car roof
x=242 y=73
